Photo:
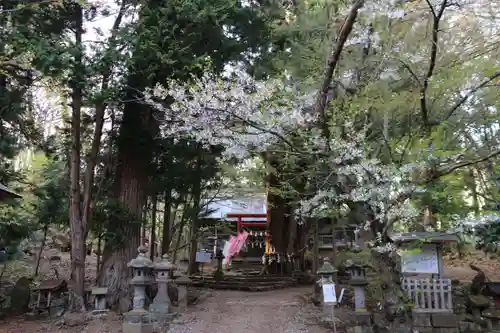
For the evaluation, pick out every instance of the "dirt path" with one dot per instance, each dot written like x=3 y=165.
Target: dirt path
x=281 y=311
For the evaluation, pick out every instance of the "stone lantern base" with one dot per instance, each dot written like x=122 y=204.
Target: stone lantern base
x=137 y=327
x=160 y=313
x=137 y=321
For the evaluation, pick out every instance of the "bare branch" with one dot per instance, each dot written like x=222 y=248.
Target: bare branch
x=471 y=92
x=331 y=65
x=432 y=62
x=450 y=169
x=412 y=73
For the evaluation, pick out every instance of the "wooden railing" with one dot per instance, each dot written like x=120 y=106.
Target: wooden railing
x=429 y=295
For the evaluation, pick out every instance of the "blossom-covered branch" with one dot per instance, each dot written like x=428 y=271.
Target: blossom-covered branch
x=241 y=114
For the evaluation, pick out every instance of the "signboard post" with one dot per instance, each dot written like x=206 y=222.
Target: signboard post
x=421 y=261
x=203 y=257
x=330 y=298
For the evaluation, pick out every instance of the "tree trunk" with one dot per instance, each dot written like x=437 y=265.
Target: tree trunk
x=99 y=251
x=277 y=215
x=134 y=156
x=167 y=212
x=315 y=261
x=193 y=267
x=475 y=196
x=152 y=247
x=144 y=221
x=79 y=216
x=77 y=225
x=45 y=230
x=180 y=228
x=334 y=241
x=114 y=273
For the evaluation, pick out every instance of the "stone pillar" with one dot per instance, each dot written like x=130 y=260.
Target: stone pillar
x=183 y=282
x=160 y=307
x=138 y=320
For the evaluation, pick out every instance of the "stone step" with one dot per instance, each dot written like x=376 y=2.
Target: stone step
x=247 y=282
x=247 y=278
x=243 y=283
x=243 y=287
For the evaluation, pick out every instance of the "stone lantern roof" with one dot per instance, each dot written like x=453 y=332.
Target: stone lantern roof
x=356 y=264
x=142 y=268
x=327 y=268
x=183 y=280
x=142 y=261
x=164 y=264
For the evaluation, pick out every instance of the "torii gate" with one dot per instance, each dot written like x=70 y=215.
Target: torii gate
x=240 y=224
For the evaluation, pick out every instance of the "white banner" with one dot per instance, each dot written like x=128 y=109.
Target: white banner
x=329 y=294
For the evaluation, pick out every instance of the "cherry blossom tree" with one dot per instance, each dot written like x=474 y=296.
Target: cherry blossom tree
x=249 y=117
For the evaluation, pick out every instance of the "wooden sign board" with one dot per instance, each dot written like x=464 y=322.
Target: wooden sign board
x=421 y=261
x=329 y=294
x=203 y=257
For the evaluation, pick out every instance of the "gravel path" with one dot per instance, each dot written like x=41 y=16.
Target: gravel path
x=279 y=311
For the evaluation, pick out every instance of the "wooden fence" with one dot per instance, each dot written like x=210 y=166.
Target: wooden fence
x=429 y=295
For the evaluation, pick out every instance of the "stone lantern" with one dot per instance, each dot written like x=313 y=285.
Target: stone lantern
x=327 y=273
x=183 y=282
x=138 y=320
x=359 y=282
x=161 y=304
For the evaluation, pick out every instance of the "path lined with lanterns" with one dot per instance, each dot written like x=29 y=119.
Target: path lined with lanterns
x=278 y=311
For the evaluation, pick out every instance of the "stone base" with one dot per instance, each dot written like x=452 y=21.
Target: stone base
x=163 y=318
x=159 y=309
x=360 y=329
x=99 y=312
x=137 y=316
x=421 y=319
x=444 y=320
x=161 y=312
x=137 y=328
x=363 y=319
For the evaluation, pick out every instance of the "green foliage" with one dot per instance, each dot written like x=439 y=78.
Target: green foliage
x=51 y=205
x=45 y=204
x=488 y=235
x=15 y=225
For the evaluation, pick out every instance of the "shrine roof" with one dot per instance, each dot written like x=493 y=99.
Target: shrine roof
x=218 y=209
x=426 y=237
x=51 y=285
x=6 y=193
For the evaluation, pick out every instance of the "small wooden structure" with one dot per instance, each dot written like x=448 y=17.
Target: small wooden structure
x=99 y=294
x=422 y=270
x=46 y=292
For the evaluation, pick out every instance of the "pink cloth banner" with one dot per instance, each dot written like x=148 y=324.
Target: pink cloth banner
x=235 y=245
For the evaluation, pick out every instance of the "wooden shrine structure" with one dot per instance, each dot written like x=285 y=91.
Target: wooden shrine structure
x=422 y=270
